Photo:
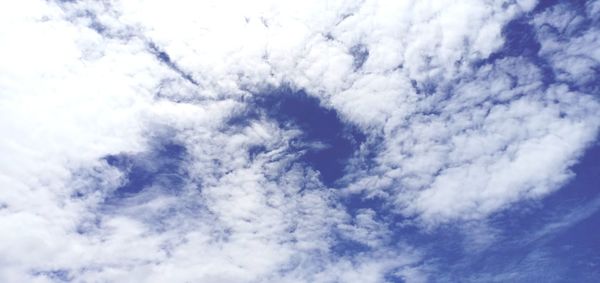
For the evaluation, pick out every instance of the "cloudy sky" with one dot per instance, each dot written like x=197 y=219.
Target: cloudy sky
x=300 y=141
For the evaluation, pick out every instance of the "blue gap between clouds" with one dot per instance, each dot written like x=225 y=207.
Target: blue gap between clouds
x=360 y=54
x=318 y=124
x=161 y=166
x=583 y=24
x=164 y=57
x=520 y=41
x=58 y=275
x=326 y=140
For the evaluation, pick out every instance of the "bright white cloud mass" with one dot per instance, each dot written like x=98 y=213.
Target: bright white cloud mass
x=306 y=141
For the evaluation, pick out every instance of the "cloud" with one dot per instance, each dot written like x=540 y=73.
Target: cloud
x=567 y=35
x=135 y=147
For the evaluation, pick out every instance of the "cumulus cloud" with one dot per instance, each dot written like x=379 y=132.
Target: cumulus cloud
x=131 y=150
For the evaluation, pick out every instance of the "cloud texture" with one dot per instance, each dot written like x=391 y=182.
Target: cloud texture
x=135 y=147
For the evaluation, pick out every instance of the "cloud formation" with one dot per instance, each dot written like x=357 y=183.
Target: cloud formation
x=136 y=149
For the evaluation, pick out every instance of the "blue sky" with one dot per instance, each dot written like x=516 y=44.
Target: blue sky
x=309 y=141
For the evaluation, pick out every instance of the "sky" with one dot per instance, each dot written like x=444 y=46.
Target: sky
x=300 y=141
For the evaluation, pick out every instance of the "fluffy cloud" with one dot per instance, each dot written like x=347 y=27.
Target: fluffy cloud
x=456 y=129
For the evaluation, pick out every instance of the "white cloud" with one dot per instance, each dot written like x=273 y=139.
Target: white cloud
x=568 y=44
x=458 y=141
